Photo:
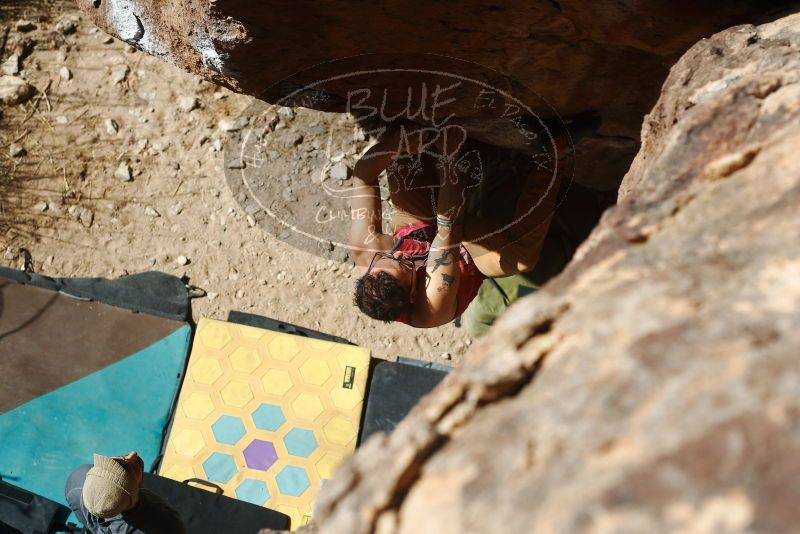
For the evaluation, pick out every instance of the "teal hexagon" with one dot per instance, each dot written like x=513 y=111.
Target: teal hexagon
x=292 y=481
x=300 y=442
x=228 y=429
x=219 y=467
x=252 y=491
x=268 y=417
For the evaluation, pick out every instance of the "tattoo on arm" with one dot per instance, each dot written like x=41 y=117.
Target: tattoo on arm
x=444 y=260
x=447 y=281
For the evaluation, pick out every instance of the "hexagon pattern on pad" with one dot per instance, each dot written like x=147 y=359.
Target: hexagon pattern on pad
x=266 y=415
x=260 y=454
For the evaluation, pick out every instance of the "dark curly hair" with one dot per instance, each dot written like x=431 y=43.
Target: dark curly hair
x=381 y=296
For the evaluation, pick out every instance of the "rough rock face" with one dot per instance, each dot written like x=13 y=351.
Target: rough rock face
x=602 y=58
x=654 y=385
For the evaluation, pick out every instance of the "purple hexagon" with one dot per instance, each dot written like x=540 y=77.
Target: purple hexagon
x=260 y=455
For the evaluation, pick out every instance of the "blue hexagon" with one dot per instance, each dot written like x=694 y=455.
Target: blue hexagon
x=268 y=417
x=219 y=467
x=292 y=481
x=228 y=429
x=300 y=442
x=253 y=491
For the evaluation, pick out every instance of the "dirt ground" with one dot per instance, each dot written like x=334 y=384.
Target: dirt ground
x=99 y=104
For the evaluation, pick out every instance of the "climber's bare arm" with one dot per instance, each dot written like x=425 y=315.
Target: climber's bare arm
x=366 y=232
x=440 y=302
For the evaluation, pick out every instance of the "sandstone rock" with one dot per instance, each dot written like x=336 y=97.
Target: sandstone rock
x=15 y=90
x=653 y=386
x=570 y=58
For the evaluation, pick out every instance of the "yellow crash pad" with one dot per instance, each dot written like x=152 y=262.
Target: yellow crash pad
x=266 y=415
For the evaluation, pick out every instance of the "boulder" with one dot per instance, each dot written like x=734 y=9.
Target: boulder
x=653 y=386
x=597 y=65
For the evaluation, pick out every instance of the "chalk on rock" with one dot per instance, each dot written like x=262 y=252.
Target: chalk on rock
x=15 y=90
x=65 y=73
x=123 y=172
x=151 y=212
x=16 y=150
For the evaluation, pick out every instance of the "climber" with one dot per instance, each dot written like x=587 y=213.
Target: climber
x=427 y=271
x=107 y=498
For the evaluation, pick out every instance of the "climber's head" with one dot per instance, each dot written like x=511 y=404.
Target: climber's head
x=388 y=286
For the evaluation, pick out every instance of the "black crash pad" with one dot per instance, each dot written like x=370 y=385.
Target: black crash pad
x=395 y=388
x=207 y=512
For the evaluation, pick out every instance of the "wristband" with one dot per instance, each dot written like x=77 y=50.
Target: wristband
x=444 y=222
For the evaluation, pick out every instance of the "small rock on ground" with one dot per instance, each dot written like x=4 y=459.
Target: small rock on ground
x=67 y=25
x=25 y=26
x=111 y=126
x=14 y=90
x=339 y=172
x=188 y=103
x=123 y=172
x=12 y=65
x=232 y=125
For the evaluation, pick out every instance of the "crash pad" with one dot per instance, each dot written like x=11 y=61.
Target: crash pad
x=395 y=388
x=266 y=415
x=80 y=377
